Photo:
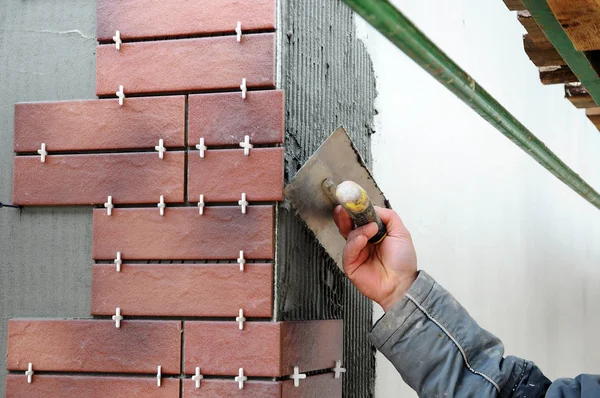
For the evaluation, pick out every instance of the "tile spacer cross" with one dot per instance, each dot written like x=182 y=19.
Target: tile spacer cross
x=161 y=148
x=238 y=31
x=43 y=153
x=244 y=88
x=121 y=95
x=29 y=372
x=118 y=261
x=201 y=205
x=158 y=375
x=246 y=145
x=161 y=205
x=197 y=377
x=241 y=319
x=117 y=40
x=338 y=369
x=243 y=202
x=297 y=376
x=201 y=147
x=241 y=378
x=241 y=261
x=109 y=206
x=117 y=318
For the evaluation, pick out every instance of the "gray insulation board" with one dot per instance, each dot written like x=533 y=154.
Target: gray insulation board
x=47 y=52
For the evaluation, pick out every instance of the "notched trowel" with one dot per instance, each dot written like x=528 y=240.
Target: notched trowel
x=334 y=174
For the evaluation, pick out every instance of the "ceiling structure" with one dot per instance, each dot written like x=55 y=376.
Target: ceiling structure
x=563 y=42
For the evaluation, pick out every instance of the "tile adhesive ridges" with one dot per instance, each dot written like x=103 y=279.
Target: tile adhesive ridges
x=329 y=82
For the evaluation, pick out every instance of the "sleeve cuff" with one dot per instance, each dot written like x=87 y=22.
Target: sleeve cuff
x=394 y=320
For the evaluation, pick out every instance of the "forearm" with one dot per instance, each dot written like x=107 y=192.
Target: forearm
x=439 y=349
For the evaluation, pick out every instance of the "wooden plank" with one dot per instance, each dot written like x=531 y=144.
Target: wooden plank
x=557 y=75
x=533 y=30
x=543 y=54
x=94 y=345
x=186 y=65
x=45 y=385
x=222 y=176
x=137 y=19
x=581 y=21
x=100 y=124
x=578 y=96
x=262 y=348
x=514 y=5
x=219 y=234
x=594 y=115
x=212 y=290
x=90 y=179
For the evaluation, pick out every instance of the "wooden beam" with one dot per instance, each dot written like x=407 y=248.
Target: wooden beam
x=535 y=33
x=557 y=75
x=581 y=21
x=594 y=115
x=578 y=96
x=542 y=54
x=514 y=5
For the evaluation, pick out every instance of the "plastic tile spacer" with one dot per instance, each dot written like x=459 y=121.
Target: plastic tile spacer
x=238 y=31
x=201 y=147
x=297 y=376
x=160 y=148
x=121 y=95
x=109 y=206
x=241 y=378
x=201 y=205
x=117 y=318
x=338 y=369
x=241 y=319
x=243 y=88
x=197 y=377
x=161 y=205
x=117 y=39
x=118 y=261
x=29 y=372
x=243 y=203
x=246 y=145
x=43 y=153
x=241 y=261
x=158 y=375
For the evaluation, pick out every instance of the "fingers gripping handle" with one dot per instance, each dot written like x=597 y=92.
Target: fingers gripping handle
x=358 y=205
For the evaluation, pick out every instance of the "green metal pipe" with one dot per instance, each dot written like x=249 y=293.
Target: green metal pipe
x=390 y=22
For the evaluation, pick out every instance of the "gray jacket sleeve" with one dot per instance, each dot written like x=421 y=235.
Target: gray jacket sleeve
x=440 y=351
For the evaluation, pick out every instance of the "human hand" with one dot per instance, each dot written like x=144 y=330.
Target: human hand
x=382 y=272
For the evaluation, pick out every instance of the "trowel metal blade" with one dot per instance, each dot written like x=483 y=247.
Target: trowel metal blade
x=338 y=160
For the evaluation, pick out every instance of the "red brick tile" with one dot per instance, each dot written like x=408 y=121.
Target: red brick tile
x=186 y=65
x=262 y=348
x=146 y=18
x=100 y=124
x=94 y=346
x=222 y=175
x=225 y=118
x=323 y=385
x=230 y=388
x=90 y=179
x=311 y=345
x=218 y=290
x=89 y=387
x=220 y=233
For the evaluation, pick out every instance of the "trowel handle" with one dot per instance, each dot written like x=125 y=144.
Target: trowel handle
x=359 y=207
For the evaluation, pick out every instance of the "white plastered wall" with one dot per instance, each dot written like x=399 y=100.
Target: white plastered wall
x=518 y=248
